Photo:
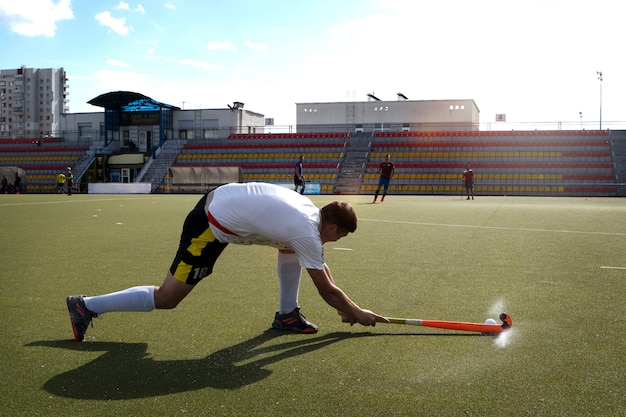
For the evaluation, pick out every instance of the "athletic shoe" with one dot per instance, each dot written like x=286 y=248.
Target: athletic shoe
x=374 y=202
x=80 y=316
x=294 y=321
x=382 y=199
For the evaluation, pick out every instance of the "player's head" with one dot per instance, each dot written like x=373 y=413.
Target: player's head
x=387 y=157
x=341 y=215
x=301 y=158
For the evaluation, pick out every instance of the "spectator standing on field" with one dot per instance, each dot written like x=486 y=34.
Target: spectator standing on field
x=468 y=182
x=298 y=177
x=17 y=184
x=386 y=171
x=60 y=183
x=246 y=213
x=5 y=185
x=69 y=177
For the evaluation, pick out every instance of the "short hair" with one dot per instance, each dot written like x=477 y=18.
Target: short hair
x=340 y=213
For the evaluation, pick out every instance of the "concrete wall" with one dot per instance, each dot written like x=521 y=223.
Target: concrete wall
x=120 y=188
x=388 y=115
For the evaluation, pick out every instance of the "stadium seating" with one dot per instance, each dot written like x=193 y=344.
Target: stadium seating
x=41 y=160
x=271 y=157
x=542 y=163
x=512 y=163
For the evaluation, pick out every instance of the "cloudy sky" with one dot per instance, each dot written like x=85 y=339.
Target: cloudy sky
x=535 y=61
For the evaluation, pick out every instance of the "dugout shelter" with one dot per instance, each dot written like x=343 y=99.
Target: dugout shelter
x=201 y=179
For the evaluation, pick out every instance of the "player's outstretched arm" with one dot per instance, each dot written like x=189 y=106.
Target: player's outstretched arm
x=350 y=312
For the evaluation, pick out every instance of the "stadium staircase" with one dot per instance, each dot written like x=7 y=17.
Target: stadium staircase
x=156 y=168
x=353 y=168
x=618 y=150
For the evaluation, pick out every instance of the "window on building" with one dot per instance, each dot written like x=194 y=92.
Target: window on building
x=126 y=138
x=84 y=130
x=185 y=134
x=210 y=133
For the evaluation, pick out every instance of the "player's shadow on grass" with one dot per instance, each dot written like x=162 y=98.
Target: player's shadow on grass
x=124 y=372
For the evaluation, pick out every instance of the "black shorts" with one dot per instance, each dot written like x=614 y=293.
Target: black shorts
x=198 y=249
x=297 y=181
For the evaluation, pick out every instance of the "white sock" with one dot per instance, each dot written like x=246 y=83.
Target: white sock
x=131 y=299
x=289 y=271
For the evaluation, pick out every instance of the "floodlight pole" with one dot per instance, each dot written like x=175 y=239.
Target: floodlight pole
x=580 y=114
x=600 y=78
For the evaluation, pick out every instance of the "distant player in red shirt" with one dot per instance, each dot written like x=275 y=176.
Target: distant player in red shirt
x=468 y=182
x=386 y=171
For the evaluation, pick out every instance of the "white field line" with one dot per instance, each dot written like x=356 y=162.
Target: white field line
x=68 y=200
x=519 y=229
x=467 y=226
x=613 y=267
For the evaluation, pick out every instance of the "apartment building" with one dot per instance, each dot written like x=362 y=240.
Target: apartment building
x=32 y=101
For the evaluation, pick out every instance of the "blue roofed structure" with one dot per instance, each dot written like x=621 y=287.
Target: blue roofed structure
x=127 y=108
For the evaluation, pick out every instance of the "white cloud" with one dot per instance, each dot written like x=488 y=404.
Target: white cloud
x=221 y=45
x=201 y=65
x=122 y=6
x=150 y=54
x=170 y=6
x=36 y=17
x=125 y=6
x=117 y=63
x=116 y=25
x=256 y=47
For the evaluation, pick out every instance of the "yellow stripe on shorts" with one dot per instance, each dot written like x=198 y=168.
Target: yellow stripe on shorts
x=200 y=242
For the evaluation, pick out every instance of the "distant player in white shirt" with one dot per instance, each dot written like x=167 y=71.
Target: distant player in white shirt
x=250 y=213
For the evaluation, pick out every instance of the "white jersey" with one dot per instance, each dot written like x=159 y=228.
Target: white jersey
x=268 y=214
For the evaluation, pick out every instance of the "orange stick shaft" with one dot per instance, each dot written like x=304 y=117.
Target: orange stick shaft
x=464 y=326
x=451 y=325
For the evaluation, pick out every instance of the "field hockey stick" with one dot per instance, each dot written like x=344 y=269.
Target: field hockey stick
x=458 y=325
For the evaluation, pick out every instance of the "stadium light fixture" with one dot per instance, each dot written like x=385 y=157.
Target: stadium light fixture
x=236 y=105
x=600 y=78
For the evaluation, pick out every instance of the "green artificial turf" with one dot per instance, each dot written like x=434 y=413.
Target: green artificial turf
x=556 y=265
